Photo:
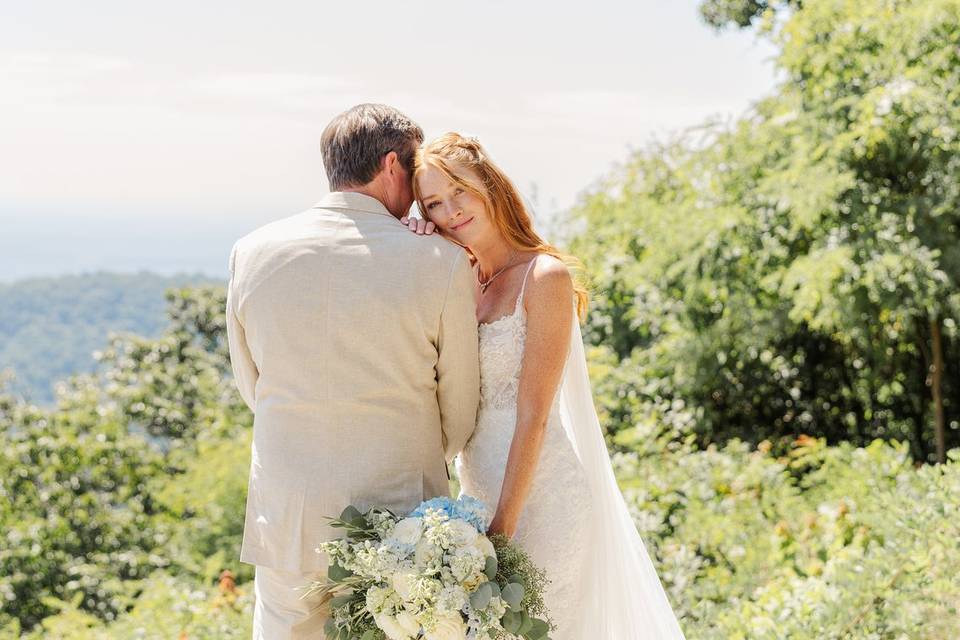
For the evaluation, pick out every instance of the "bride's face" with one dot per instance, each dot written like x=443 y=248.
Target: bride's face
x=457 y=212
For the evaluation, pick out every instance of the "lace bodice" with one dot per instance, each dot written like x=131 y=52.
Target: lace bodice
x=501 y=357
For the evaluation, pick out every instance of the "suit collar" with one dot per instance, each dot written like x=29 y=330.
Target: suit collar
x=352 y=201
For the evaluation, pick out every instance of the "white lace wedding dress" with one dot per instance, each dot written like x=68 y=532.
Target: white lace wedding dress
x=575 y=524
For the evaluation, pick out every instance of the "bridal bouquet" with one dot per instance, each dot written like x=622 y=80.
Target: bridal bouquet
x=431 y=575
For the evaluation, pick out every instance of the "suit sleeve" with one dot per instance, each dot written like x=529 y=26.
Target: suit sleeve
x=458 y=364
x=245 y=372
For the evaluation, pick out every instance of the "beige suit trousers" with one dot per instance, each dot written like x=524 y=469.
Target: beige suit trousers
x=280 y=611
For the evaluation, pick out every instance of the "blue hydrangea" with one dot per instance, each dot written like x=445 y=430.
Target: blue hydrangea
x=466 y=508
x=473 y=511
x=437 y=504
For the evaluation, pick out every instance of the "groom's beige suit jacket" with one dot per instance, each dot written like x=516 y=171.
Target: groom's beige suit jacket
x=354 y=342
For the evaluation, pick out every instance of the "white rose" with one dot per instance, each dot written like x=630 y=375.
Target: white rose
x=408 y=623
x=426 y=553
x=407 y=531
x=462 y=532
x=448 y=626
x=403 y=584
x=483 y=544
x=473 y=581
x=391 y=627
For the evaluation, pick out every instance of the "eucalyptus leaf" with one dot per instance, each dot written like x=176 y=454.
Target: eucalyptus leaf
x=350 y=513
x=513 y=595
x=480 y=598
x=526 y=623
x=339 y=601
x=538 y=629
x=511 y=621
x=490 y=568
x=337 y=573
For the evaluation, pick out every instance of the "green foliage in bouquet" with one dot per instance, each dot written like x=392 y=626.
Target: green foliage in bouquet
x=513 y=565
x=430 y=574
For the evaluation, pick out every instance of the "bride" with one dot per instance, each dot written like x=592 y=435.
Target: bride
x=538 y=453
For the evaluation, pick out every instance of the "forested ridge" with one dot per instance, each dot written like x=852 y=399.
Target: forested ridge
x=51 y=327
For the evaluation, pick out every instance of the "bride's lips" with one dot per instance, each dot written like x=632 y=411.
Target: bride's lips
x=461 y=225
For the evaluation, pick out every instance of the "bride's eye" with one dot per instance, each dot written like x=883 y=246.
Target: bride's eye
x=432 y=205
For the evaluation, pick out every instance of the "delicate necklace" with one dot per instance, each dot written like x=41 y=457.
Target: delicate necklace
x=484 y=284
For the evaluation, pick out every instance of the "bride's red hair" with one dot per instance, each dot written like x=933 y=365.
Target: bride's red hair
x=502 y=200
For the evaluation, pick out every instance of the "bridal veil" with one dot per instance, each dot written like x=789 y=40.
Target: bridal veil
x=625 y=598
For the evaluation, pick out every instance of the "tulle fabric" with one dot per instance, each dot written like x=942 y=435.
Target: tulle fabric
x=625 y=599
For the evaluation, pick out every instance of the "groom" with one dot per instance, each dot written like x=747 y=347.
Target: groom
x=354 y=342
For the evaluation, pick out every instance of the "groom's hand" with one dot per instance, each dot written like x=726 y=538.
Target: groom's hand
x=418 y=225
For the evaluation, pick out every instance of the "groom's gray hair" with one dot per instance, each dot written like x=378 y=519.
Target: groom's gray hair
x=355 y=141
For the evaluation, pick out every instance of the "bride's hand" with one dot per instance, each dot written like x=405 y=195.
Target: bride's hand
x=499 y=525
x=419 y=226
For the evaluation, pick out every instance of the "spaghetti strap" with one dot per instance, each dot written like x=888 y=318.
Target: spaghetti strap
x=524 y=285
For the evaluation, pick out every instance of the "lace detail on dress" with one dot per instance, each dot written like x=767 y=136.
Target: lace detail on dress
x=501 y=355
x=500 y=360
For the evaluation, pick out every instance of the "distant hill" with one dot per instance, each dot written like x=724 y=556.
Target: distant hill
x=50 y=327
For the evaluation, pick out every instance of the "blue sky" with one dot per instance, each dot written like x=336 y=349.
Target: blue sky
x=140 y=135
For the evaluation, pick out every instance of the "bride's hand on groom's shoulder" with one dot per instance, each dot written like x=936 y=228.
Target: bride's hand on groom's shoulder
x=418 y=226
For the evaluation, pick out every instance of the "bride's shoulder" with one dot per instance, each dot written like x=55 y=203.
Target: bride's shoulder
x=548 y=280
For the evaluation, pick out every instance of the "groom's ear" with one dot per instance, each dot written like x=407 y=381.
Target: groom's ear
x=390 y=162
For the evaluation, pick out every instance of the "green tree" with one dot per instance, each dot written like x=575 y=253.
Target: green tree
x=78 y=514
x=139 y=467
x=797 y=272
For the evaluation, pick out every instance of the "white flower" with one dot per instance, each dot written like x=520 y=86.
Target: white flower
x=408 y=623
x=426 y=553
x=375 y=561
x=484 y=546
x=467 y=565
x=426 y=589
x=391 y=627
x=377 y=598
x=496 y=608
x=407 y=532
x=448 y=626
x=383 y=523
x=462 y=533
x=452 y=598
x=403 y=584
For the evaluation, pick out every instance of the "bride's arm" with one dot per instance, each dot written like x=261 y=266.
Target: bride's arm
x=549 y=323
